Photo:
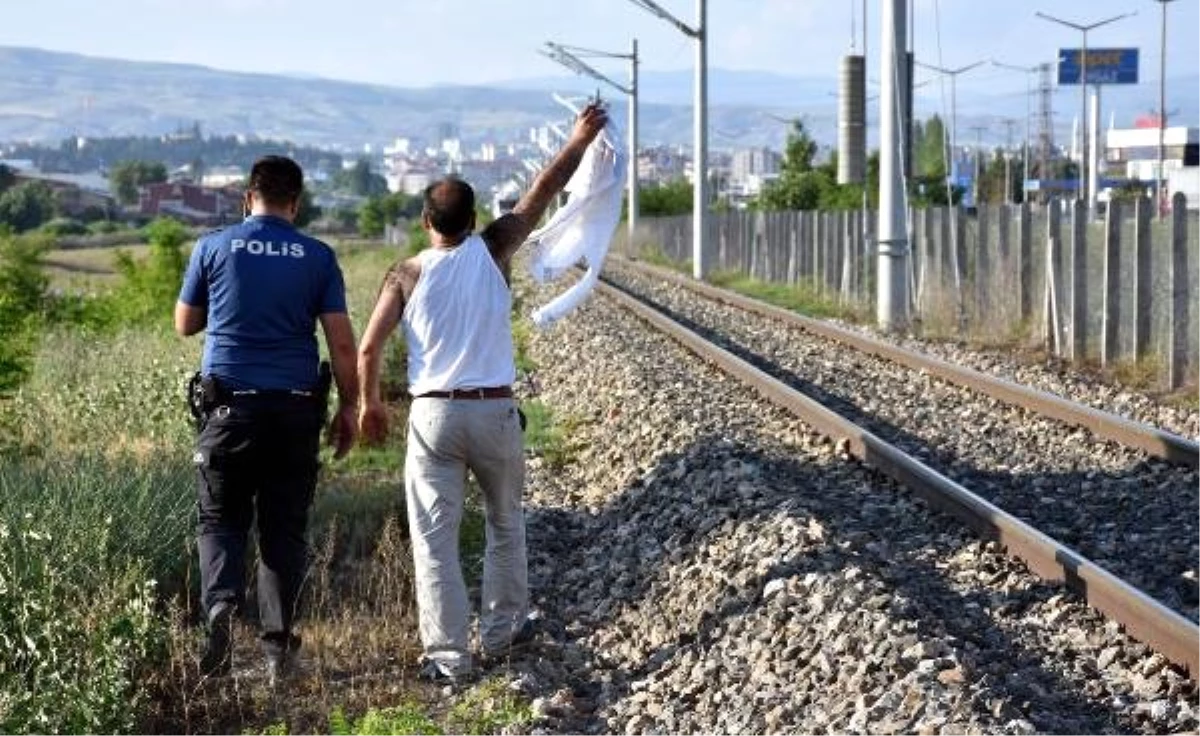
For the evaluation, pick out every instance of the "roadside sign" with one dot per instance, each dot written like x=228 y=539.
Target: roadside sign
x=1104 y=66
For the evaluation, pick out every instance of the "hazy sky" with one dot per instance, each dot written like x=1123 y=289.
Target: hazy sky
x=423 y=42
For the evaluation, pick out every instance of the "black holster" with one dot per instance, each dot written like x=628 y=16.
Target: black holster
x=324 y=384
x=205 y=393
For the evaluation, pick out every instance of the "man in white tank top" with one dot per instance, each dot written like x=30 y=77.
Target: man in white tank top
x=454 y=305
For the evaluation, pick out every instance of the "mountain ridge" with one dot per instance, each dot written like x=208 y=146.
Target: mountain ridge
x=50 y=96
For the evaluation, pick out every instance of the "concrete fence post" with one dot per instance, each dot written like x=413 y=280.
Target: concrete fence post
x=1025 y=262
x=1142 y=281
x=1178 y=327
x=1111 y=311
x=1079 y=280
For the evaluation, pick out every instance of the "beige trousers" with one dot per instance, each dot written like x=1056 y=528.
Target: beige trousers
x=446 y=438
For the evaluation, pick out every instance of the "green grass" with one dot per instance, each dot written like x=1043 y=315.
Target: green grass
x=799 y=298
x=656 y=257
x=97 y=511
x=548 y=436
x=490 y=707
x=406 y=718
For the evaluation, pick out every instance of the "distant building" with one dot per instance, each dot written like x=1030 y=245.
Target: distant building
x=223 y=176
x=749 y=162
x=191 y=203
x=662 y=164
x=1133 y=154
x=75 y=193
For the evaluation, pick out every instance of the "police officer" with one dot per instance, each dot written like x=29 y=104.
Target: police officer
x=258 y=289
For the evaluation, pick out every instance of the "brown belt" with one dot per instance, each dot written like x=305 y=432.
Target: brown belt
x=491 y=392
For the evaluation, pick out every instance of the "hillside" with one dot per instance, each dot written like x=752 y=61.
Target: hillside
x=50 y=96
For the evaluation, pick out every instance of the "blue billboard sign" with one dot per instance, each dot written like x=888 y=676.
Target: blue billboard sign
x=1104 y=66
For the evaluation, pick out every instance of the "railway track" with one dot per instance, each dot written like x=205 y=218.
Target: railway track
x=1058 y=484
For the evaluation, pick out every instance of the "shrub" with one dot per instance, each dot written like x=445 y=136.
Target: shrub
x=104 y=227
x=149 y=288
x=22 y=294
x=27 y=205
x=64 y=226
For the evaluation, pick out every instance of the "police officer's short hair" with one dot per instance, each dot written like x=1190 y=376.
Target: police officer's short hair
x=450 y=205
x=277 y=179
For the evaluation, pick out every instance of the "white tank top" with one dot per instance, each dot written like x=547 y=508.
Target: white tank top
x=457 y=322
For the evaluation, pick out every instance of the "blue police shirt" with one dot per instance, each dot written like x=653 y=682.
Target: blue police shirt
x=264 y=283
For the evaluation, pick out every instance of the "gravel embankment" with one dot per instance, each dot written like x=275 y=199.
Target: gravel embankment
x=705 y=563
x=1137 y=516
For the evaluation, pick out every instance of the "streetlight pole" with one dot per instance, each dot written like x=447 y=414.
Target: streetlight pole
x=1160 y=178
x=1083 y=82
x=569 y=56
x=953 y=74
x=1029 y=71
x=699 y=33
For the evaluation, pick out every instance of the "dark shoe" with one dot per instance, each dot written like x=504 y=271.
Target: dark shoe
x=525 y=636
x=438 y=674
x=280 y=654
x=216 y=660
x=280 y=667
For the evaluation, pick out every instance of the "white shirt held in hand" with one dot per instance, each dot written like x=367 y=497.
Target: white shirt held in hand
x=582 y=230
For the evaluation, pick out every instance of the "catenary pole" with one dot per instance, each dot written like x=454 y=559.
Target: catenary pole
x=892 y=294
x=699 y=33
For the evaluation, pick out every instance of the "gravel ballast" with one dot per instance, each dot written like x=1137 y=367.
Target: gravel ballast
x=705 y=563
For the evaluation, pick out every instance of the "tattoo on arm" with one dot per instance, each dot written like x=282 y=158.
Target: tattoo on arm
x=399 y=280
x=391 y=279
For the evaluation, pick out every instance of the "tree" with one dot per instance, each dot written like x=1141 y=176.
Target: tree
x=371 y=221
x=799 y=186
x=998 y=181
x=400 y=205
x=7 y=178
x=307 y=211
x=378 y=212
x=360 y=180
x=26 y=206
x=929 y=148
x=126 y=176
x=665 y=199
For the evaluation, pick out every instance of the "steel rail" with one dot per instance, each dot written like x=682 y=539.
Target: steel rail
x=1144 y=618
x=1159 y=443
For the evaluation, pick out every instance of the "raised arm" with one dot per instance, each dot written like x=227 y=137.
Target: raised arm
x=506 y=234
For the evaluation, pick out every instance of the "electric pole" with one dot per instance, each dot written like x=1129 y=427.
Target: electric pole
x=699 y=33
x=1160 y=178
x=892 y=294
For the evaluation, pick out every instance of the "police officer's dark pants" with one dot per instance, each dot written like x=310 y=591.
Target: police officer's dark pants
x=257 y=456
